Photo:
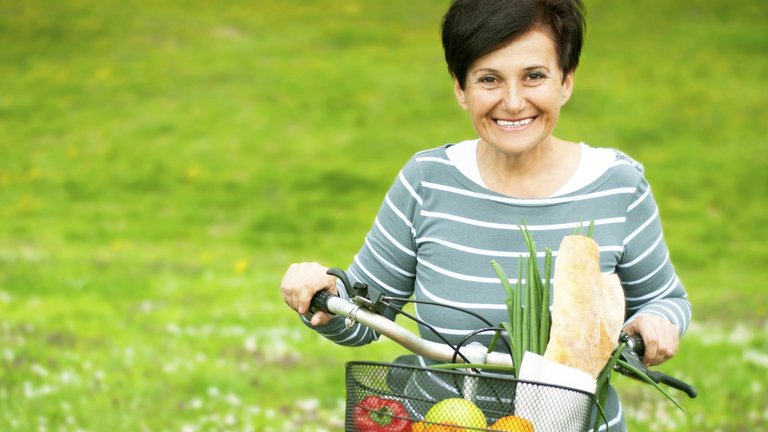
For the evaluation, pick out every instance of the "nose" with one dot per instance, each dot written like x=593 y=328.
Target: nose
x=513 y=99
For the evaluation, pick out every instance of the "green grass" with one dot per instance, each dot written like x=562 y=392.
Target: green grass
x=161 y=163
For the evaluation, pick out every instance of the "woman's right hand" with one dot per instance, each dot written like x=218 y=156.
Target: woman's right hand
x=300 y=283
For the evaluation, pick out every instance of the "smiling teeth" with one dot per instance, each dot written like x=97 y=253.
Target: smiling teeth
x=514 y=124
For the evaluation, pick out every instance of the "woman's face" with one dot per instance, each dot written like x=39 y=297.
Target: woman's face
x=514 y=94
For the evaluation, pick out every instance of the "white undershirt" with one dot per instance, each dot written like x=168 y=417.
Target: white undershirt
x=593 y=163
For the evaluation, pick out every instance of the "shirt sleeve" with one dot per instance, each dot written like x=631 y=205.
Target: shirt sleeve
x=387 y=260
x=647 y=274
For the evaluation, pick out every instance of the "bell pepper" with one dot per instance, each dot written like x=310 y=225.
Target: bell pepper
x=378 y=414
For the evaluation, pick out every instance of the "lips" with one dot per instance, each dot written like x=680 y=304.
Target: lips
x=511 y=124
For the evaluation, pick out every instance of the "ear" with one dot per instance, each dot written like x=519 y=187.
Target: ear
x=461 y=97
x=567 y=88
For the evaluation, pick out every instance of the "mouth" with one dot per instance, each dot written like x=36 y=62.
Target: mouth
x=515 y=124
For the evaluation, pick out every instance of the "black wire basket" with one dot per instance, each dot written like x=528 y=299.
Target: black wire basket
x=394 y=397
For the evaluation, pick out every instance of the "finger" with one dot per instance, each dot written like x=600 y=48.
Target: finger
x=668 y=344
x=320 y=318
x=630 y=329
x=305 y=296
x=651 y=352
x=286 y=285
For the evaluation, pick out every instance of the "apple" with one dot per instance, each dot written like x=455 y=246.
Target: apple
x=457 y=411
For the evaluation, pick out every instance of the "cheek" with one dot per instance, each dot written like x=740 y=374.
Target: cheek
x=479 y=103
x=548 y=99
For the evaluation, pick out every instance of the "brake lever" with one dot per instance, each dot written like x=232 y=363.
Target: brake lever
x=631 y=355
x=360 y=293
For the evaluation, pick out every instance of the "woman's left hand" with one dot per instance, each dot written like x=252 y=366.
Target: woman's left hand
x=660 y=337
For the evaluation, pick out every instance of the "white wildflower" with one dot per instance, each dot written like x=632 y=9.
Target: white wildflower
x=172 y=328
x=756 y=357
x=233 y=400
x=39 y=370
x=170 y=367
x=308 y=405
x=99 y=375
x=250 y=344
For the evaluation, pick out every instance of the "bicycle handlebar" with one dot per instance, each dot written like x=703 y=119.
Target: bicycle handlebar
x=632 y=355
x=327 y=302
x=357 y=310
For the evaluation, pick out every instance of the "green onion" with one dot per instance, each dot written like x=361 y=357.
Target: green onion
x=527 y=304
x=546 y=318
x=512 y=312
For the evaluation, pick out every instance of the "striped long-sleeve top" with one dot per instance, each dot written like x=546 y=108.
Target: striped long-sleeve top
x=437 y=232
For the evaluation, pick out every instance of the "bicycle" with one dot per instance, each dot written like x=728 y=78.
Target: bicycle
x=399 y=396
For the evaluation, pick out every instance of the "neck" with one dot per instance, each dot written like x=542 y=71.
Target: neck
x=536 y=173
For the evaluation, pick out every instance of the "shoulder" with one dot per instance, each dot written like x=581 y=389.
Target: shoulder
x=428 y=163
x=619 y=167
x=624 y=159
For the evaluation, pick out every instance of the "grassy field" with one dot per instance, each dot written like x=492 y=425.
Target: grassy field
x=162 y=162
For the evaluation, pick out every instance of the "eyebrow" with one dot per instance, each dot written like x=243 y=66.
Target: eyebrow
x=496 y=71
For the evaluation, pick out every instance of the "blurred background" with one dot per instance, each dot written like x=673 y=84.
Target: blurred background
x=163 y=162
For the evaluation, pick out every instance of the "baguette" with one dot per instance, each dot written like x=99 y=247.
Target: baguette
x=587 y=308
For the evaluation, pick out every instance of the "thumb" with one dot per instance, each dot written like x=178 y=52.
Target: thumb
x=320 y=318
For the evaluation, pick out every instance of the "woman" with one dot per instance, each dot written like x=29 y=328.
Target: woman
x=454 y=208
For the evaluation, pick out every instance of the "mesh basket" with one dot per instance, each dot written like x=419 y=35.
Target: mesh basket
x=503 y=401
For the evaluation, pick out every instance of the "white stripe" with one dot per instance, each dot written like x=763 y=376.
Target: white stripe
x=678 y=313
x=471 y=250
x=651 y=274
x=459 y=276
x=434 y=159
x=611 y=248
x=670 y=314
x=437 y=299
x=392 y=240
x=399 y=213
x=639 y=200
x=643 y=255
x=386 y=262
x=451 y=331
x=378 y=282
x=498 y=253
x=529 y=201
x=642 y=227
x=410 y=189
x=656 y=310
x=517 y=227
x=354 y=336
x=686 y=314
x=658 y=294
x=468 y=221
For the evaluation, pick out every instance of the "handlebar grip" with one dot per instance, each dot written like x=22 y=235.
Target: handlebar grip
x=673 y=382
x=319 y=301
x=635 y=342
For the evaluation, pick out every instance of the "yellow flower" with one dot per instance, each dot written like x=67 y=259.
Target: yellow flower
x=192 y=173
x=241 y=265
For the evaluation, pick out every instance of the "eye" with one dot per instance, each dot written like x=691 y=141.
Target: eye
x=535 y=76
x=489 y=81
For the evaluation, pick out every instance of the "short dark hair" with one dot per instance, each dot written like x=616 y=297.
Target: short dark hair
x=474 y=28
